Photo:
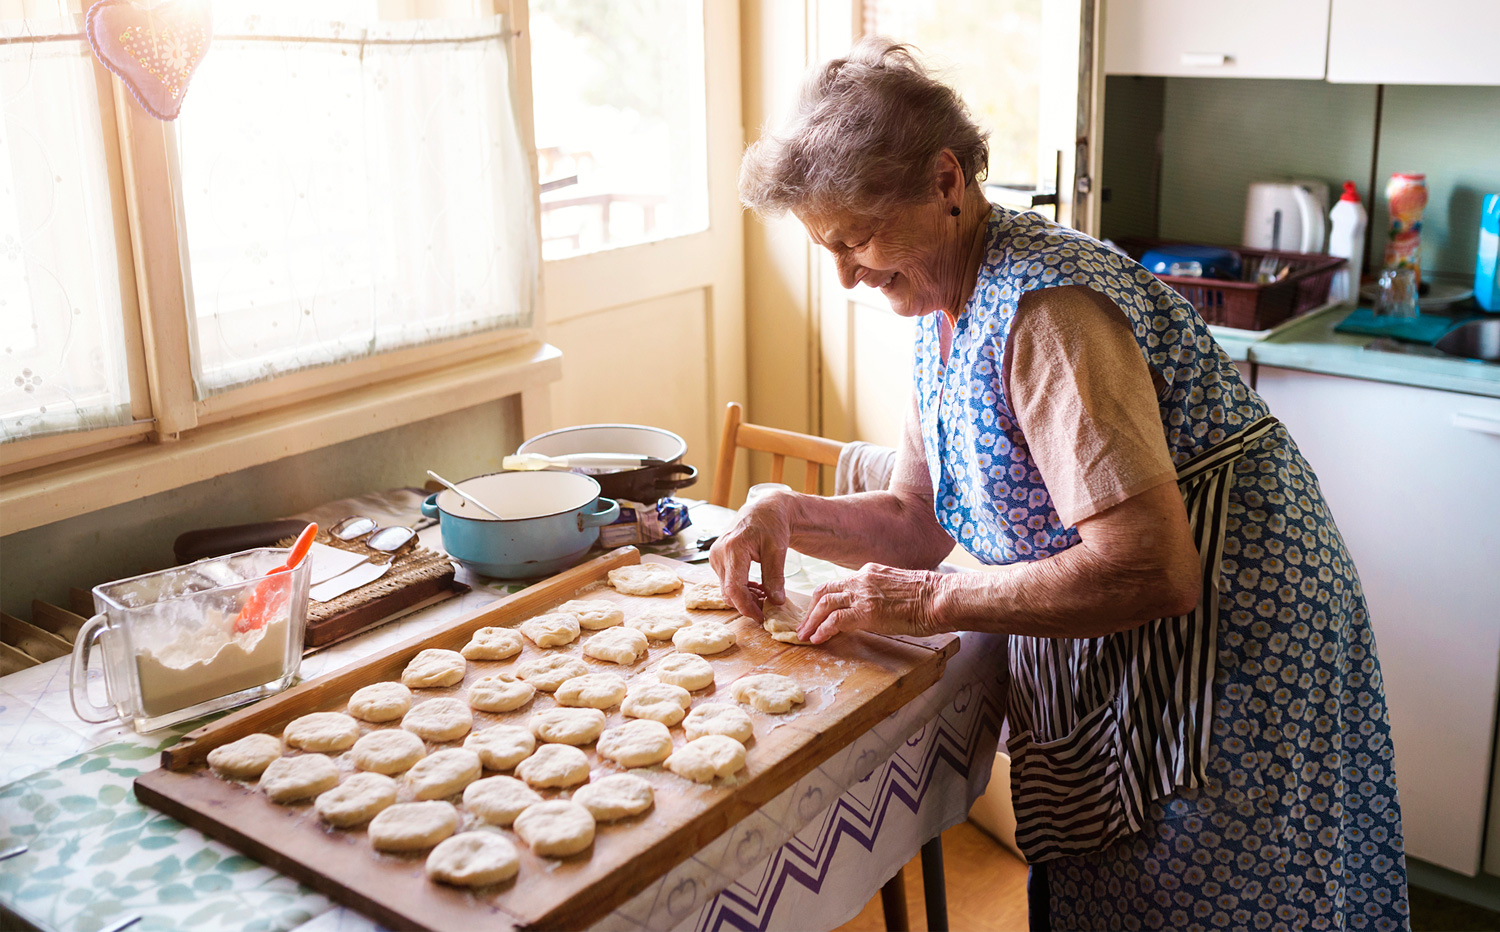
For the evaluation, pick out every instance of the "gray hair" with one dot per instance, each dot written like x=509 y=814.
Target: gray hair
x=865 y=138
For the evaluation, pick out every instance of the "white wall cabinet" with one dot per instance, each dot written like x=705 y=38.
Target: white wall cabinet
x=1413 y=478
x=1216 y=38
x=1397 y=42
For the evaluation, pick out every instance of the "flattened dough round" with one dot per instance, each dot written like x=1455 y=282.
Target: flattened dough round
x=704 y=637
x=718 y=718
x=550 y=671
x=380 y=702
x=768 y=692
x=322 y=731
x=554 y=765
x=645 y=579
x=391 y=750
x=492 y=644
x=556 y=829
x=686 y=670
x=501 y=747
x=413 y=826
x=443 y=773
x=433 y=668
x=500 y=692
x=781 y=622
x=617 y=796
x=553 y=629
x=592 y=691
x=356 y=801
x=498 y=800
x=660 y=623
x=617 y=645
x=444 y=719
x=702 y=759
x=567 y=726
x=246 y=758
x=637 y=743
x=659 y=702
x=473 y=859
x=594 y=614
x=293 y=779
x=705 y=596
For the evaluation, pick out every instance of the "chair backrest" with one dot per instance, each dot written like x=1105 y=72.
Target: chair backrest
x=816 y=452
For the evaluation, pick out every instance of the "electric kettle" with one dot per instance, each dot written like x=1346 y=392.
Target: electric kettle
x=1286 y=215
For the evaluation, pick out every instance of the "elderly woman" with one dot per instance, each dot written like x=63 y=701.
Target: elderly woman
x=1198 y=725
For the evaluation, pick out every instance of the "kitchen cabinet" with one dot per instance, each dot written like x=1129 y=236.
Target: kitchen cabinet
x=1396 y=42
x=1413 y=478
x=1216 y=38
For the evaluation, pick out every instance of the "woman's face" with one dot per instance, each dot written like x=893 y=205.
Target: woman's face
x=911 y=257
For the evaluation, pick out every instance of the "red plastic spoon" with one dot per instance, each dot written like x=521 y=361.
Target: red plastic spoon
x=271 y=594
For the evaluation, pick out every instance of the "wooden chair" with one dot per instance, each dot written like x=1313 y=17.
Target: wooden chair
x=815 y=452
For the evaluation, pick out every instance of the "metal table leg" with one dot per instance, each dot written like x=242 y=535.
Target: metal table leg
x=934 y=889
x=893 y=903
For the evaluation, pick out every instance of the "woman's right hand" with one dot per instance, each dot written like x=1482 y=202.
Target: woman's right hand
x=761 y=535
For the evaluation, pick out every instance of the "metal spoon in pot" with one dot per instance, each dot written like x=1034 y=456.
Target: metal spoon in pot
x=463 y=495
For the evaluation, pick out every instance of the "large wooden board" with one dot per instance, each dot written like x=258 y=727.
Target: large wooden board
x=852 y=684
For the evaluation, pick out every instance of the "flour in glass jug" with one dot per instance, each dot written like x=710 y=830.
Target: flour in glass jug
x=209 y=661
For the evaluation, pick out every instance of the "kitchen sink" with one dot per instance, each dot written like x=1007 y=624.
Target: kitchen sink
x=1477 y=339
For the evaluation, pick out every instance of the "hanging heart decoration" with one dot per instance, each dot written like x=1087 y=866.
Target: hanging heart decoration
x=154 y=51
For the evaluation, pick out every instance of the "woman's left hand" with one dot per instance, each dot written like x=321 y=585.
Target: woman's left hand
x=880 y=599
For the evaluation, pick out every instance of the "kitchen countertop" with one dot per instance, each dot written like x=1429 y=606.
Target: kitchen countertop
x=1309 y=343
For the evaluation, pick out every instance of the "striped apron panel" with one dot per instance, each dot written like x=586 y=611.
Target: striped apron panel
x=1101 y=727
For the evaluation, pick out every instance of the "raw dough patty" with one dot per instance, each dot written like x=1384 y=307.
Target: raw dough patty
x=719 y=718
x=782 y=621
x=355 y=801
x=413 y=826
x=617 y=796
x=567 y=726
x=660 y=623
x=246 y=758
x=321 y=731
x=594 y=614
x=492 y=644
x=645 y=579
x=637 y=743
x=556 y=829
x=293 y=779
x=768 y=692
x=434 y=668
x=659 y=702
x=592 y=691
x=686 y=670
x=501 y=747
x=617 y=645
x=551 y=670
x=443 y=773
x=473 y=859
x=498 y=800
x=707 y=757
x=551 y=630
x=704 y=637
x=380 y=702
x=554 y=765
x=704 y=596
x=500 y=692
x=443 y=719
x=392 y=750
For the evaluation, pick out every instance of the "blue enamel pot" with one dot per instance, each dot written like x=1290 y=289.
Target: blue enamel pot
x=548 y=521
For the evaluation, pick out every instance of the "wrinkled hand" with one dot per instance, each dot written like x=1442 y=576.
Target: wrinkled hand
x=761 y=535
x=880 y=599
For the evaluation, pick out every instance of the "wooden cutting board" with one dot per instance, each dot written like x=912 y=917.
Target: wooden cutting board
x=852 y=683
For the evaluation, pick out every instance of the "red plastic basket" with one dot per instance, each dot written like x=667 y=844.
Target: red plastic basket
x=1248 y=305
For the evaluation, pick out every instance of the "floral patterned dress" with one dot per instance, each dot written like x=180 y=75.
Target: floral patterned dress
x=1231 y=768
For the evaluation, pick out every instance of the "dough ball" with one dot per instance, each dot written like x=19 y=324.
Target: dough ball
x=659 y=624
x=492 y=644
x=702 y=759
x=498 y=800
x=473 y=859
x=705 y=596
x=782 y=621
x=392 y=750
x=704 y=637
x=617 y=796
x=768 y=692
x=686 y=670
x=617 y=645
x=443 y=773
x=567 y=726
x=380 y=702
x=443 y=719
x=551 y=630
x=719 y=718
x=500 y=692
x=556 y=829
x=592 y=691
x=356 y=801
x=594 y=614
x=637 y=743
x=501 y=747
x=246 y=758
x=293 y=779
x=659 y=702
x=645 y=579
x=413 y=826
x=554 y=765
x=322 y=731
x=551 y=670
x=434 y=668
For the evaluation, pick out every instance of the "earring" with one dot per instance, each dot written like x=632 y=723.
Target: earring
x=955 y=211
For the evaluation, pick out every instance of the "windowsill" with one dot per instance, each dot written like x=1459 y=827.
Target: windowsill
x=64 y=490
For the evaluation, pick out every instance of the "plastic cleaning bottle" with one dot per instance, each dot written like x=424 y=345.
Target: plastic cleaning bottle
x=1346 y=238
